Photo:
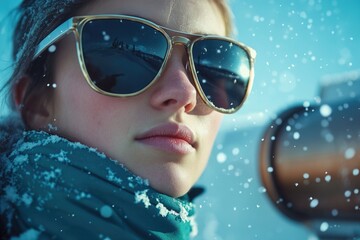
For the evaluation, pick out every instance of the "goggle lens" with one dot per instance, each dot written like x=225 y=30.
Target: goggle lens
x=122 y=56
x=223 y=71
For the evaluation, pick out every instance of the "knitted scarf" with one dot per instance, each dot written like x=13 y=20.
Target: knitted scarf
x=54 y=188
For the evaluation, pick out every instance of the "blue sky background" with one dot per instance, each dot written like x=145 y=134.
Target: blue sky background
x=5 y=38
x=299 y=44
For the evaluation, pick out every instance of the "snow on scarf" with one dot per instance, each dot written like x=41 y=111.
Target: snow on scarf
x=53 y=188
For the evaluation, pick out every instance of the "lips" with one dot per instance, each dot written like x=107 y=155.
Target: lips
x=169 y=137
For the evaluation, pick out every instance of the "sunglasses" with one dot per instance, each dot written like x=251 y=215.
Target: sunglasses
x=123 y=56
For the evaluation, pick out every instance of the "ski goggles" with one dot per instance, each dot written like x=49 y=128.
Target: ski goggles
x=123 y=56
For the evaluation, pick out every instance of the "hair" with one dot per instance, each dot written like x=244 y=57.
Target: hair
x=226 y=13
x=35 y=20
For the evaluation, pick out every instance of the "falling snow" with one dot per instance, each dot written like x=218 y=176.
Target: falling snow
x=292 y=67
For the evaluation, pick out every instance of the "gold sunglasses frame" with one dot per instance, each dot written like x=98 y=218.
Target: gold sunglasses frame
x=76 y=25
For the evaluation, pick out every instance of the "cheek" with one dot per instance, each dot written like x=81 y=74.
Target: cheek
x=74 y=100
x=85 y=116
x=209 y=130
x=77 y=108
x=72 y=94
x=72 y=107
x=212 y=125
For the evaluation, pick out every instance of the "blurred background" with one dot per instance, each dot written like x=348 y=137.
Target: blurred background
x=301 y=47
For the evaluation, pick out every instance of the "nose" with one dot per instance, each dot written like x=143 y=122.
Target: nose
x=175 y=90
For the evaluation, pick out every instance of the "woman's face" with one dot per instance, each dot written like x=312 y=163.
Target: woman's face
x=164 y=134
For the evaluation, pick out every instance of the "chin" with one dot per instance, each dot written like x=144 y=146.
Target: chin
x=174 y=184
x=174 y=192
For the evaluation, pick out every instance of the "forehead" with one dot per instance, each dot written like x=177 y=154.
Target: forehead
x=193 y=16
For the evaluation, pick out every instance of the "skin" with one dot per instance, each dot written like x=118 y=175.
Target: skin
x=112 y=124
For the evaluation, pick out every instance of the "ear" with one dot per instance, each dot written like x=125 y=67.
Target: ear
x=34 y=105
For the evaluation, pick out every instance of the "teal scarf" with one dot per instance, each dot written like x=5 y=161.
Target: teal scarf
x=53 y=188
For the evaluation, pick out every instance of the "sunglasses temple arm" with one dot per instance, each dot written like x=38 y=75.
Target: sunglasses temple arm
x=59 y=32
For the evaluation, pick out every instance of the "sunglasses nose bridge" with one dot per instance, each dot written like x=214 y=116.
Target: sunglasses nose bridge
x=180 y=40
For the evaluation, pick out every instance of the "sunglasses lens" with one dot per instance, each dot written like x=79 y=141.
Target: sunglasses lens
x=223 y=71
x=122 y=56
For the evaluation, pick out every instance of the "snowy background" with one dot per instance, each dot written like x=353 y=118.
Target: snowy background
x=299 y=45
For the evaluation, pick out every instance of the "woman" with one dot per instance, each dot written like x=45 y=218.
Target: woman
x=121 y=102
